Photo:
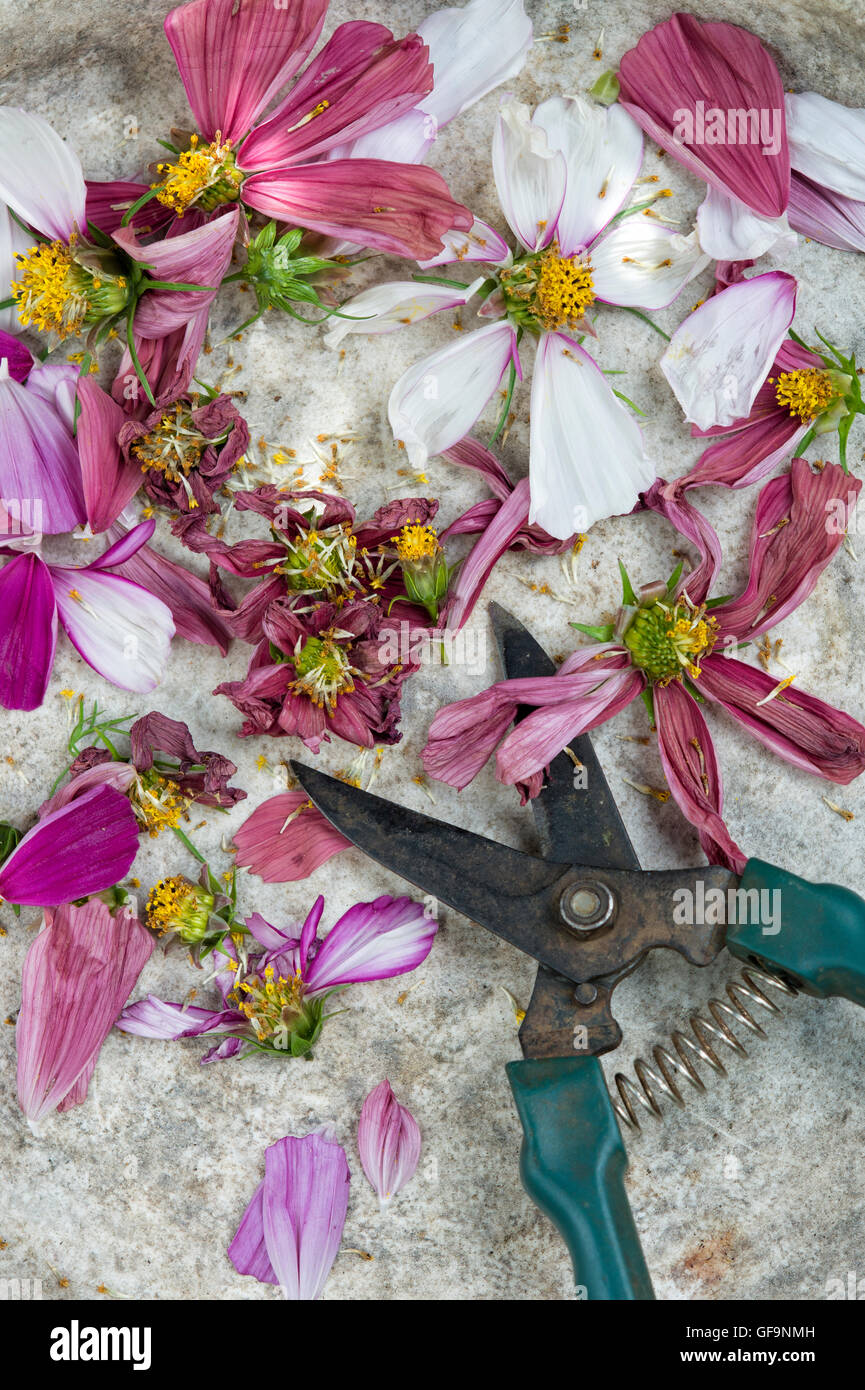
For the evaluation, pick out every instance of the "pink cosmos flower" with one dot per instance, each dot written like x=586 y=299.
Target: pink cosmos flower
x=74 y=850
x=737 y=375
x=234 y=59
x=669 y=641
x=291 y=1231
x=71 y=284
x=272 y=999
x=77 y=976
x=389 y=1142
x=564 y=176
x=119 y=629
x=710 y=94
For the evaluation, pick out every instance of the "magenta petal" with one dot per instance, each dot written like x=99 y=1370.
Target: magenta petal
x=39 y=466
x=248 y=1252
x=666 y=499
x=198 y=257
x=389 y=1142
x=28 y=632
x=77 y=975
x=372 y=941
x=109 y=201
x=184 y=593
x=827 y=217
x=692 y=772
x=105 y=774
x=304 y=1204
x=234 y=58
x=797 y=726
x=83 y=848
x=109 y=481
x=157 y=1018
x=475 y=570
x=684 y=66
x=403 y=209
x=362 y=79
x=18 y=358
x=286 y=839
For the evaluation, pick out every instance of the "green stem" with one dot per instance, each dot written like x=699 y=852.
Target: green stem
x=139 y=202
x=168 y=285
x=139 y=370
x=185 y=840
x=439 y=280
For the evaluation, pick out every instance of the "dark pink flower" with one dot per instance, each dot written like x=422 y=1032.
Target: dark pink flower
x=389 y=1142
x=77 y=976
x=234 y=59
x=669 y=641
x=291 y=1230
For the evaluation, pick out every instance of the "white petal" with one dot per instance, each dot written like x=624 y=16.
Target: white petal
x=530 y=177
x=481 y=243
x=120 y=629
x=639 y=262
x=827 y=143
x=720 y=356
x=587 y=459
x=435 y=403
x=731 y=231
x=40 y=176
x=603 y=149
x=384 y=308
x=406 y=140
x=12 y=240
x=473 y=50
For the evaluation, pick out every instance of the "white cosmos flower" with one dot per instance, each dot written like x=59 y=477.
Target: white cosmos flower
x=564 y=177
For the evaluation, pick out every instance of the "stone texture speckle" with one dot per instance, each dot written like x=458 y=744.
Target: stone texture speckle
x=756 y=1190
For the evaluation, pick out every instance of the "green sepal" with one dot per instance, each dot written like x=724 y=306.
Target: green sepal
x=603 y=633
x=10 y=838
x=648 y=698
x=629 y=598
x=606 y=89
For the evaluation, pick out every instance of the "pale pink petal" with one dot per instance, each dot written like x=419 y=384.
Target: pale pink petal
x=389 y=1142
x=109 y=481
x=40 y=175
x=286 y=839
x=826 y=217
x=39 y=466
x=304 y=1203
x=77 y=975
x=198 y=257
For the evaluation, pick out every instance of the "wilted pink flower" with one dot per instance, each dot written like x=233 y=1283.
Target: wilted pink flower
x=77 y=976
x=74 y=850
x=291 y=1230
x=163 y=776
x=796 y=155
x=389 y=1142
x=669 y=641
x=272 y=999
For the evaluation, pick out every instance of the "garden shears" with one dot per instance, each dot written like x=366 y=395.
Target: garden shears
x=588 y=913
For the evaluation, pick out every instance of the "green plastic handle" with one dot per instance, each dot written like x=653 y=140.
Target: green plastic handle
x=812 y=932
x=573 y=1167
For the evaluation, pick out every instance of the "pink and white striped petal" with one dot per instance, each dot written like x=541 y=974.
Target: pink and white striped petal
x=119 y=629
x=389 y=1142
x=372 y=941
x=719 y=357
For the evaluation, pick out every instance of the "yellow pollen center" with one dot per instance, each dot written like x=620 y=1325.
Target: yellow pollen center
x=806 y=392
x=565 y=289
x=205 y=174
x=47 y=295
x=269 y=1002
x=174 y=446
x=416 y=542
x=158 y=803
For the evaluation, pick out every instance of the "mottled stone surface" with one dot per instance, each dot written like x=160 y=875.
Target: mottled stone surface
x=756 y=1190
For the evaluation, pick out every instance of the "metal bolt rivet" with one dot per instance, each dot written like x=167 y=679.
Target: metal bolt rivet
x=587 y=905
x=585 y=994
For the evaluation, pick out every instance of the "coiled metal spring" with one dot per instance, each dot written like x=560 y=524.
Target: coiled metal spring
x=661 y=1080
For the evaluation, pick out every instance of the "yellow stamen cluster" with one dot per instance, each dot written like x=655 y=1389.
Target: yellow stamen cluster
x=668 y=640
x=158 y=803
x=323 y=671
x=416 y=542
x=806 y=392
x=565 y=290
x=177 y=905
x=203 y=174
x=269 y=1002
x=49 y=290
x=174 y=446
x=320 y=561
